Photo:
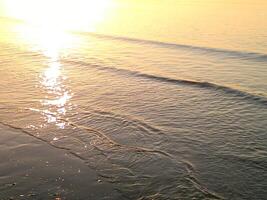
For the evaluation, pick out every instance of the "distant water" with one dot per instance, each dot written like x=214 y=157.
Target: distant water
x=156 y=119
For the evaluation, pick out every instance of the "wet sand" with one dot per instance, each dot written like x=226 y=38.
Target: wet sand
x=32 y=169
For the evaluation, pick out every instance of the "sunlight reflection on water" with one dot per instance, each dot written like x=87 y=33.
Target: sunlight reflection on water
x=58 y=95
x=52 y=81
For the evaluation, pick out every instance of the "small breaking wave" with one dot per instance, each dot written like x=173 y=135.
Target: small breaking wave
x=163 y=79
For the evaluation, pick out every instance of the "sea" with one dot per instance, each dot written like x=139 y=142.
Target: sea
x=164 y=100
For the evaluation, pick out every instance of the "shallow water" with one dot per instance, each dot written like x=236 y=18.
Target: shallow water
x=154 y=119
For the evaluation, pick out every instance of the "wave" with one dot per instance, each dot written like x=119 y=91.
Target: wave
x=125 y=119
x=230 y=54
x=162 y=79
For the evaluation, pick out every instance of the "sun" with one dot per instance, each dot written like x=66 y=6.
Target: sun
x=60 y=14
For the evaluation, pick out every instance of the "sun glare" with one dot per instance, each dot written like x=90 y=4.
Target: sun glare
x=60 y=14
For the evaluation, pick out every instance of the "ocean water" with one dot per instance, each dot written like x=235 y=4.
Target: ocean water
x=173 y=110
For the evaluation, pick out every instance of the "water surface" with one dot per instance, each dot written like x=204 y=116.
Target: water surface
x=159 y=113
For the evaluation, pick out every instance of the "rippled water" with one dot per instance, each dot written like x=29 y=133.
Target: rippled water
x=156 y=120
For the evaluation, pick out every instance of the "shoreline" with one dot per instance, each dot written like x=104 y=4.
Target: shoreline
x=34 y=170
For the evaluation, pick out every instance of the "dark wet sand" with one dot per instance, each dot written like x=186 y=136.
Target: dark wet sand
x=32 y=169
